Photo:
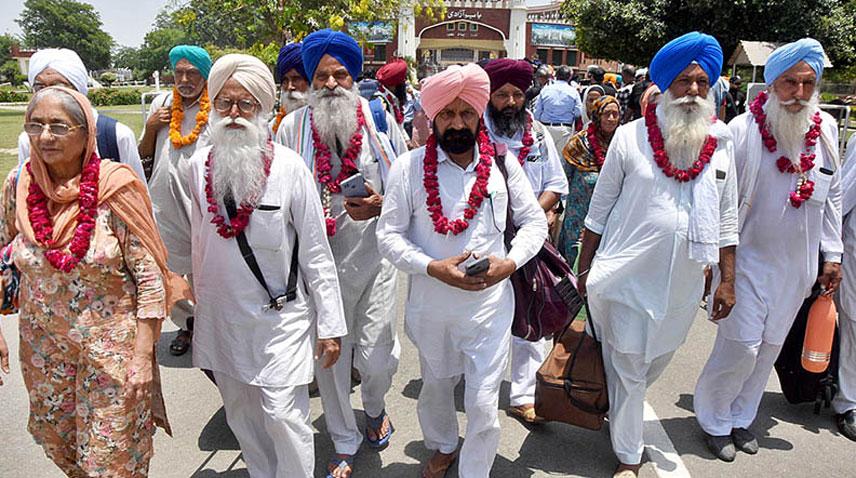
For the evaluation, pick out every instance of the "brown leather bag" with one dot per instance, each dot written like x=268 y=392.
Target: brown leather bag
x=571 y=383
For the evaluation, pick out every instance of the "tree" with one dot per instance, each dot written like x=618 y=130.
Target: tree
x=108 y=78
x=633 y=30
x=154 y=53
x=9 y=69
x=126 y=57
x=67 y=24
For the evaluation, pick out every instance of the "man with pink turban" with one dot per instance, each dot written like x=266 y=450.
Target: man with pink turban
x=443 y=222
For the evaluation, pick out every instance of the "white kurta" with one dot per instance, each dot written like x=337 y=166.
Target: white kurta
x=125 y=141
x=233 y=335
x=845 y=399
x=169 y=184
x=643 y=263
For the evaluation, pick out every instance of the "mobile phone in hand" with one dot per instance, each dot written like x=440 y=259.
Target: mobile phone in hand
x=478 y=267
x=355 y=187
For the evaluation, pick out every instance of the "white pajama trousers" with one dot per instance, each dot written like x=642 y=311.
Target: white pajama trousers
x=561 y=135
x=183 y=309
x=845 y=399
x=526 y=359
x=272 y=426
x=731 y=385
x=628 y=377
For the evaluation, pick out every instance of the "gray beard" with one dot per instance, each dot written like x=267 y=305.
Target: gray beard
x=237 y=165
x=293 y=100
x=788 y=128
x=333 y=115
x=504 y=125
x=685 y=129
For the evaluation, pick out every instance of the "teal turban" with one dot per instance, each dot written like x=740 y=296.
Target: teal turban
x=675 y=56
x=197 y=57
x=340 y=46
x=808 y=50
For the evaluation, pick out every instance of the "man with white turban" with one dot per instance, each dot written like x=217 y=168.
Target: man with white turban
x=844 y=402
x=63 y=67
x=446 y=208
x=261 y=298
x=790 y=209
x=337 y=138
x=663 y=209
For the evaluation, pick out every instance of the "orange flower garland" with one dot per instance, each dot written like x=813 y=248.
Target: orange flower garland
x=279 y=116
x=177 y=117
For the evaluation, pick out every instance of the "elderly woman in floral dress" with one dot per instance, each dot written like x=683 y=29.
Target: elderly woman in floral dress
x=93 y=294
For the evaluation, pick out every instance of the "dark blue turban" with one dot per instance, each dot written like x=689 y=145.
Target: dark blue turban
x=197 y=57
x=289 y=59
x=808 y=50
x=336 y=44
x=679 y=53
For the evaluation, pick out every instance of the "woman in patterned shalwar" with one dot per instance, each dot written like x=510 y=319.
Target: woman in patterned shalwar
x=92 y=294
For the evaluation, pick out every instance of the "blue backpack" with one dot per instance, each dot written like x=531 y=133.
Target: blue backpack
x=379 y=115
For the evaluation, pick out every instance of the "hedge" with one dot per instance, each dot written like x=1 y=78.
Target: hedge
x=114 y=96
x=9 y=96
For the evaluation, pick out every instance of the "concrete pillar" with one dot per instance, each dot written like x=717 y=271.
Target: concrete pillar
x=407 y=32
x=515 y=45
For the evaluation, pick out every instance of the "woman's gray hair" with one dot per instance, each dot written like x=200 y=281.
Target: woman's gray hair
x=69 y=104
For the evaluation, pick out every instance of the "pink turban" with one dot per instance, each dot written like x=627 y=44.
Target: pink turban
x=469 y=83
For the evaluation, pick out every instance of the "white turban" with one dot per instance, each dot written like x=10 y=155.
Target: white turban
x=64 y=61
x=250 y=72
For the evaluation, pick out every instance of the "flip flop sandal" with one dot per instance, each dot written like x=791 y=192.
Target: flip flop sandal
x=181 y=343
x=439 y=471
x=375 y=424
x=339 y=463
x=526 y=415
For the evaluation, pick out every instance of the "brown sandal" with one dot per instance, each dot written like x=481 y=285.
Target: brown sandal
x=525 y=414
x=433 y=470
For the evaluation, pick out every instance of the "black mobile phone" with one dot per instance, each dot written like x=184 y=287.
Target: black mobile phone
x=355 y=187
x=478 y=266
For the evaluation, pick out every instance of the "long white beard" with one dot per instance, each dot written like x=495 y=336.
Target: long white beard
x=789 y=128
x=293 y=100
x=686 y=127
x=238 y=166
x=334 y=114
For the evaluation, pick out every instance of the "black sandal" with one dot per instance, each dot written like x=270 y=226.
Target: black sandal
x=181 y=343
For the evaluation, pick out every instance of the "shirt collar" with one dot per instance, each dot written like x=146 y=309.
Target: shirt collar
x=442 y=157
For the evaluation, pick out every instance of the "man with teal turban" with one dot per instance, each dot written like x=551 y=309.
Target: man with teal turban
x=790 y=210
x=176 y=127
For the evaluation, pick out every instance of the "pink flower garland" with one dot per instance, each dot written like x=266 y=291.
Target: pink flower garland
x=242 y=218
x=655 y=138
x=40 y=220
x=527 y=141
x=597 y=150
x=349 y=165
x=805 y=187
x=442 y=224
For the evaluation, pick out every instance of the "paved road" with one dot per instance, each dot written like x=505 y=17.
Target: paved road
x=794 y=442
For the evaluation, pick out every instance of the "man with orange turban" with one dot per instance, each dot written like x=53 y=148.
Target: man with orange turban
x=443 y=222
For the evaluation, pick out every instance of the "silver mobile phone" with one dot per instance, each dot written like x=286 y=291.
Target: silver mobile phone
x=355 y=187
x=479 y=266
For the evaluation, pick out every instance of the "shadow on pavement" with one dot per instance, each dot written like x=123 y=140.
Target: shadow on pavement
x=168 y=360
x=230 y=473
x=216 y=435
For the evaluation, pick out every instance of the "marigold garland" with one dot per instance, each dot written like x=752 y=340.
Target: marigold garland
x=278 y=120
x=177 y=117
x=655 y=138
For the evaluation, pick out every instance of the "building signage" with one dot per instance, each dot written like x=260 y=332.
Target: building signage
x=462 y=15
x=550 y=34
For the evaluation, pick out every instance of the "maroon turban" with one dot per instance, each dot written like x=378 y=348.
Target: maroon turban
x=506 y=70
x=393 y=73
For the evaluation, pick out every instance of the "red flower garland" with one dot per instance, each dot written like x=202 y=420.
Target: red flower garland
x=527 y=141
x=805 y=187
x=349 y=165
x=442 y=224
x=242 y=218
x=655 y=138
x=40 y=220
x=596 y=148
x=396 y=109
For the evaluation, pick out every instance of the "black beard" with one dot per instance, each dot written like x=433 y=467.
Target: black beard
x=457 y=141
x=507 y=121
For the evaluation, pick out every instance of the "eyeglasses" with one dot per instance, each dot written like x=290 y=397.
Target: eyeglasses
x=56 y=129
x=224 y=105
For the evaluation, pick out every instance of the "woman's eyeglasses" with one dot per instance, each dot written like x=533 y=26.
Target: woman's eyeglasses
x=224 y=105
x=56 y=129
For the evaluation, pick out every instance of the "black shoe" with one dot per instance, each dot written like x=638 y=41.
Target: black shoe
x=181 y=343
x=722 y=447
x=847 y=424
x=744 y=440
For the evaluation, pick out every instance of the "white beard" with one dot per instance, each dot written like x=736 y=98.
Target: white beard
x=293 y=100
x=686 y=128
x=788 y=128
x=237 y=162
x=334 y=115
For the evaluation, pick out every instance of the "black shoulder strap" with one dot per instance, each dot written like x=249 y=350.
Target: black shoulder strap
x=108 y=146
x=250 y=259
x=510 y=230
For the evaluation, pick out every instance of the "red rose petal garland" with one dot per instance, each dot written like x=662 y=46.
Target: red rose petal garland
x=655 y=138
x=323 y=166
x=596 y=148
x=805 y=187
x=442 y=224
x=245 y=210
x=396 y=109
x=527 y=141
x=40 y=220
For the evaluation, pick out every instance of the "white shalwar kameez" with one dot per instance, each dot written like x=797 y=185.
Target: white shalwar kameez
x=543 y=167
x=458 y=332
x=262 y=358
x=368 y=285
x=845 y=399
x=775 y=269
x=168 y=187
x=643 y=286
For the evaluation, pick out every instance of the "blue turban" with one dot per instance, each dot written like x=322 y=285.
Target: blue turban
x=289 y=59
x=808 y=50
x=679 y=53
x=336 y=44
x=197 y=57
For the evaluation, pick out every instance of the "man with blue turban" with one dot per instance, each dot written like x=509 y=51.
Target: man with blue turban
x=789 y=210
x=294 y=84
x=176 y=127
x=664 y=209
x=63 y=67
x=337 y=137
